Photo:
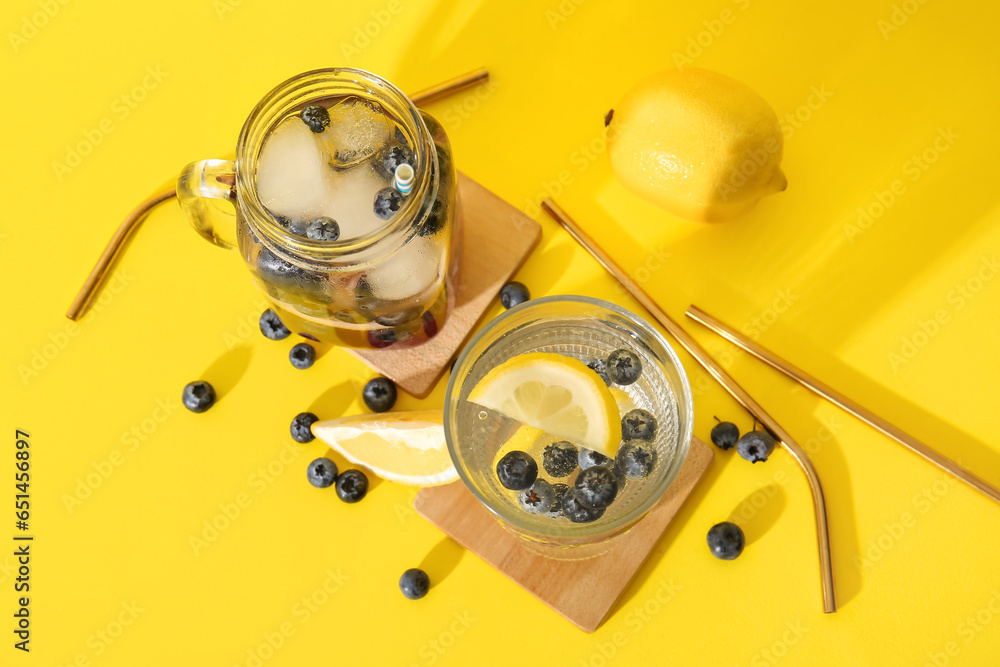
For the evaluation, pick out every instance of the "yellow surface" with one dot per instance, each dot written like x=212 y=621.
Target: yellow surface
x=889 y=106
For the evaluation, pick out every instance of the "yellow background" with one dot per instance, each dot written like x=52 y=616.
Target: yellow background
x=867 y=85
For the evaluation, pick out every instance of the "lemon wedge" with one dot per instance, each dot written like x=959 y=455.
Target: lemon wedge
x=556 y=394
x=403 y=447
x=624 y=401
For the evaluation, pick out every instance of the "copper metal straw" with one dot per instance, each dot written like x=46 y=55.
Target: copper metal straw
x=131 y=222
x=835 y=397
x=730 y=385
x=450 y=87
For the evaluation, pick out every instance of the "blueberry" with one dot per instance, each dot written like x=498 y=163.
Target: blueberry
x=559 y=458
x=272 y=327
x=198 y=396
x=379 y=394
x=725 y=435
x=517 y=471
x=322 y=472
x=623 y=367
x=636 y=459
x=435 y=219
x=755 y=446
x=276 y=270
x=387 y=202
x=400 y=317
x=513 y=294
x=596 y=364
x=414 y=583
x=596 y=487
x=302 y=356
x=352 y=485
x=379 y=338
x=390 y=157
x=726 y=540
x=302 y=427
x=555 y=509
x=316 y=118
x=589 y=458
x=430 y=324
x=538 y=497
x=638 y=424
x=576 y=511
x=323 y=229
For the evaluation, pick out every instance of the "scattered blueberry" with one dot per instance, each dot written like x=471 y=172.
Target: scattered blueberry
x=198 y=396
x=725 y=435
x=302 y=427
x=636 y=458
x=538 y=497
x=302 y=356
x=323 y=229
x=596 y=364
x=414 y=583
x=726 y=540
x=576 y=511
x=560 y=458
x=352 y=485
x=517 y=471
x=387 y=202
x=390 y=157
x=588 y=458
x=596 y=487
x=755 y=446
x=298 y=227
x=638 y=424
x=555 y=509
x=379 y=394
x=623 y=367
x=514 y=293
x=317 y=118
x=322 y=473
x=272 y=327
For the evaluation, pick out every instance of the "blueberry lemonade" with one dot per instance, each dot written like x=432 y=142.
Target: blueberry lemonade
x=568 y=417
x=355 y=215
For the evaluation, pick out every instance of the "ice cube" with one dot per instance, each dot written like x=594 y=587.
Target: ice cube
x=291 y=171
x=358 y=129
x=409 y=273
x=350 y=200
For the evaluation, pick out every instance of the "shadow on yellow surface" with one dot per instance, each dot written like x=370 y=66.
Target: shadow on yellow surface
x=442 y=560
x=228 y=369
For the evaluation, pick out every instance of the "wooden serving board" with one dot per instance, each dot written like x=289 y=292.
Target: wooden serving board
x=496 y=239
x=582 y=591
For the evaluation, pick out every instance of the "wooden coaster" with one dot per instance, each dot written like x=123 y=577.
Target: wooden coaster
x=496 y=239
x=582 y=591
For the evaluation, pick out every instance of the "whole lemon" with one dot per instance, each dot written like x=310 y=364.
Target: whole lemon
x=699 y=144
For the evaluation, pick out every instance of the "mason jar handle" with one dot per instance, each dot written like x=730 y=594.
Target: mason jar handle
x=198 y=185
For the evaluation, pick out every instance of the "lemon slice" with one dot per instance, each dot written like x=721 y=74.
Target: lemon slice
x=403 y=447
x=556 y=394
x=624 y=401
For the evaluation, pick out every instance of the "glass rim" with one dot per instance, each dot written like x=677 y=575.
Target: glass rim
x=260 y=121
x=579 y=532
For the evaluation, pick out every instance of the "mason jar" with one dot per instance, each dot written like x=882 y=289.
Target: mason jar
x=392 y=283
